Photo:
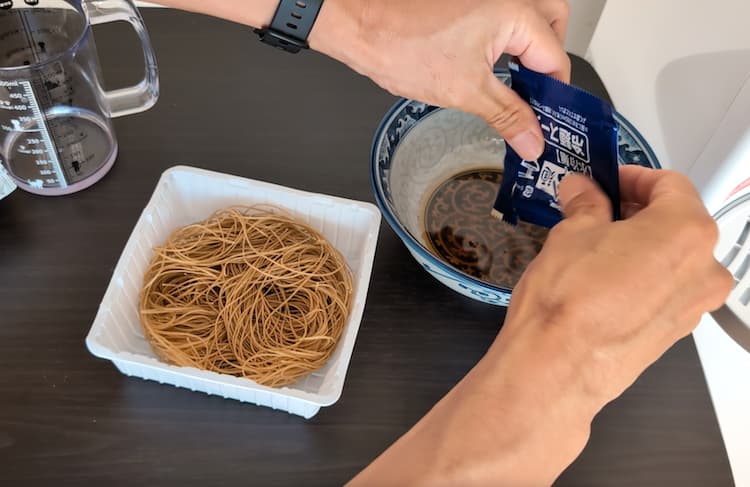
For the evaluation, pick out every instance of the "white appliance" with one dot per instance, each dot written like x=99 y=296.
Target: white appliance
x=722 y=173
x=680 y=71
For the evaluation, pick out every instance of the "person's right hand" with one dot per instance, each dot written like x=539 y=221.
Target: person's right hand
x=611 y=297
x=599 y=304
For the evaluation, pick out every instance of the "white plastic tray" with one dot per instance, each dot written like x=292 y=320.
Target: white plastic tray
x=185 y=195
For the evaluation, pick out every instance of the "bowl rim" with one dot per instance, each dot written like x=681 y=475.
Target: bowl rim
x=405 y=235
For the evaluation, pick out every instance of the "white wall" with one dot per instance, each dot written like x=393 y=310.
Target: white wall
x=584 y=15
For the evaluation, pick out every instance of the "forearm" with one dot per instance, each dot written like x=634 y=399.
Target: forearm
x=336 y=31
x=516 y=420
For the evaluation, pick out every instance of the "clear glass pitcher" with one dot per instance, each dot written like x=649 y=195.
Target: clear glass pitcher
x=56 y=136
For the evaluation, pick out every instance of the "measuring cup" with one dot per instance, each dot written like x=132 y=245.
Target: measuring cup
x=56 y=136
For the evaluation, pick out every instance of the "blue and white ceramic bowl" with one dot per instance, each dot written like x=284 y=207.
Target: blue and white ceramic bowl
x=418 y=146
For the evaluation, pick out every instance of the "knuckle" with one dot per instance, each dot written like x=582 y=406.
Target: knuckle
x=692 y=243
x=589 y=203
x=563 y=6
x=725 y=282
x=677 y=179
x=507 y=117
x=717 y=286
x=711 y=231
x=701 y=233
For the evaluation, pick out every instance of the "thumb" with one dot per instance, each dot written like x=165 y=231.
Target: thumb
x=579 y=195
x=511 y=117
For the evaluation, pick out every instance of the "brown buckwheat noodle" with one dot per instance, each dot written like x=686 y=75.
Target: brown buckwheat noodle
x=248 y=292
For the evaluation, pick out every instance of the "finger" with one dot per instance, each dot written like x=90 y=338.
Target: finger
x=557 y=14
x=538 y=48
x=643 y=186
x=693 y=301
x=580 y=196
x=718 y=283
x=560 y=28
x=511 y=117
x=723 y=285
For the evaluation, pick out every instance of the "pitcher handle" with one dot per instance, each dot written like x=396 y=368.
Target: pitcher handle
x=142 y=96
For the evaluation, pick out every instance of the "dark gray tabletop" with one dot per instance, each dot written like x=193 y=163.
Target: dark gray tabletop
x=233 y=105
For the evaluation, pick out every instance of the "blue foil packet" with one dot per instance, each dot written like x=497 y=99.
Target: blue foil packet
x=580 y=135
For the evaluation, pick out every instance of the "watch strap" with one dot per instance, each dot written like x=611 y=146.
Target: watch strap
x=291 y=24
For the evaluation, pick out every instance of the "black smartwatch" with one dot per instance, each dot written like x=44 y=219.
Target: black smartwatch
x=291 y=24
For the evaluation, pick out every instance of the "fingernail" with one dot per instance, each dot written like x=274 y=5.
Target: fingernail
x=528 y=145
x=570 y=187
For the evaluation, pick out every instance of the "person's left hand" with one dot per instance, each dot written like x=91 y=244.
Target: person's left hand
x=443 y=52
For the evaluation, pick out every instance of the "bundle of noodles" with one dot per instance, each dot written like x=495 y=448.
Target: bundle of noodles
x=248 y=292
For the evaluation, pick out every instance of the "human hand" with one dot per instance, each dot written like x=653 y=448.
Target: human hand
x=442 y=52
x=609 y=298
x=601 y=302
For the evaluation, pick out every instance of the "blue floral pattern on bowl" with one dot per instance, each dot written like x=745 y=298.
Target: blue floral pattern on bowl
x=396 y=125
